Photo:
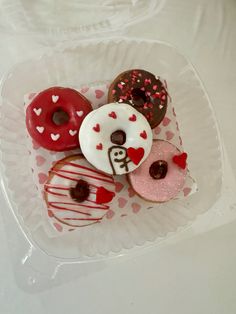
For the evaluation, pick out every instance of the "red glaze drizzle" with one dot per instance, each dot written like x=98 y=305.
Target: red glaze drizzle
x=63 y=201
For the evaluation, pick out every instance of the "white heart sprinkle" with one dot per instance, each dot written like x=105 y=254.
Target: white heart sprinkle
x=72 y=132
x=37 y=111
x=40 y=129
x=160 y=106
x=55 y=137
x=79 y=113
x=55 y=98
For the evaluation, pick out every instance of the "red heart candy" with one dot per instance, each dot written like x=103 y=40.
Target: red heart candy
x=133 y=118
x=143 y=135
x=180 y=160
x=112 y=115
x=135 y=154
x=96 y=128
x=99 y=146
x=103 y=195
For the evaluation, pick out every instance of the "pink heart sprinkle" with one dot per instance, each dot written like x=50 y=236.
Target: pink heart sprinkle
x=136 y=207
x=118 y=186
x=40 y=160
x=31 y=96
x=35 y=145
x=84 y=89
x=157 y=130
x=42 y=177
x=131 y=192
x=169 y=135
x=99 y=93
x=154 y=87
x=58 y=227
x=110 y=214
x=186 y=191
x=122 y=202
x=165 y=121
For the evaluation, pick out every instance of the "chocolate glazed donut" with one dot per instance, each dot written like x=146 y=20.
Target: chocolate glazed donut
x=142 y=90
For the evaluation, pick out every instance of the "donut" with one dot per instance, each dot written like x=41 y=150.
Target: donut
x=162 y=175
x=142 y=90
x=54 y=116
x=115 y=139
x=76 y=194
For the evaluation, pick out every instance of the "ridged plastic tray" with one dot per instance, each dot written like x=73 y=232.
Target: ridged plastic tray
x=88 y=62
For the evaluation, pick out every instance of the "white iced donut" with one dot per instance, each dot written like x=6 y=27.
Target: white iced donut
x=115 y=138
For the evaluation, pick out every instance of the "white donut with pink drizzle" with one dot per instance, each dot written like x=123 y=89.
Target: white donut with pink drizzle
x=77 y=194
x=162 y=175
x=115 y=138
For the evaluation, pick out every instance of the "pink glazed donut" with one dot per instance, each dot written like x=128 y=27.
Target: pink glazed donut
x=162 y=175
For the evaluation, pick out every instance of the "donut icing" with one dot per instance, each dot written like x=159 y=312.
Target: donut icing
x=142 y=90
x=54 y=116
x=69 y=206
x=115 y=139
x=162 y=175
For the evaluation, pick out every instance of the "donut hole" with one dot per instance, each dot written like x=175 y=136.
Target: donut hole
x=158 y=169
x=80 y=192
x=60 y=117
x=118 y=137
x=139 y=96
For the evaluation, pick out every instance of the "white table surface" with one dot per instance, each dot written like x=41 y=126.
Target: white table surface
x=192 y=276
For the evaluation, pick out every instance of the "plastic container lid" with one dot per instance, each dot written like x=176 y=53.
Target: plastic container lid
x=80 y=17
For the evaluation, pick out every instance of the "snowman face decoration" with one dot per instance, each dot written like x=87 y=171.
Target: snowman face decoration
x=118 y=159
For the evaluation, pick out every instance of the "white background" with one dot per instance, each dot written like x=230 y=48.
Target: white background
x=196 y=275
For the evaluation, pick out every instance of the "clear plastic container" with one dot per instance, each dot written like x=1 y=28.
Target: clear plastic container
x=80 y=17
x=38 y=258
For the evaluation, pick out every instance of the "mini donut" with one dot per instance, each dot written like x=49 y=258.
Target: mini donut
x=162 y=175
x=54 y=116
x=76 y=194
x=115 y=139
x=142 y=90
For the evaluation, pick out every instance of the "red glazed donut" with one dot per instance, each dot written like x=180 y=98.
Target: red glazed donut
x=54 y=117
